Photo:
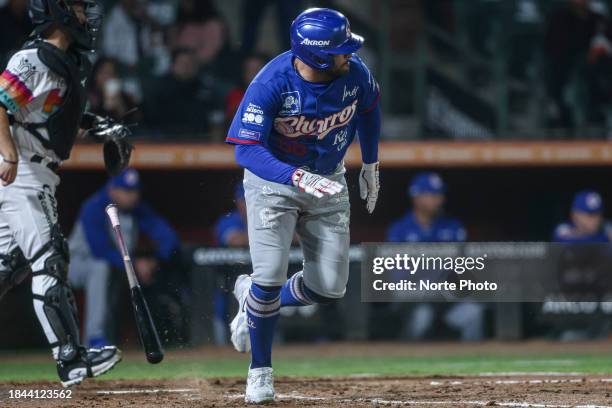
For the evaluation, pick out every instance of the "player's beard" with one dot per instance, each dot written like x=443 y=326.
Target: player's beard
x=338 y=71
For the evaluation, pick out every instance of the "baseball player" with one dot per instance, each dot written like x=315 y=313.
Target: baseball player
x=291 y=132
x=43 y=88
x=426 y=222
x=587 y=224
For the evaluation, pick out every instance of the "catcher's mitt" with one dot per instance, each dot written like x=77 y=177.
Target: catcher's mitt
x=117 y=149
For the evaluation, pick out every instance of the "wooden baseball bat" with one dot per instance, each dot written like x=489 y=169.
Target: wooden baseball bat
x=146 y=328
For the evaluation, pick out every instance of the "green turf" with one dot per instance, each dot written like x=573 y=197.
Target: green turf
x=134 y=367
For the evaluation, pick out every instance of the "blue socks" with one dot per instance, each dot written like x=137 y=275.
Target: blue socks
x=295 y=293
x=263 y=308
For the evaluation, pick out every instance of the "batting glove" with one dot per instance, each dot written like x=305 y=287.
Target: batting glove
x=369 y=184
x=314 y=184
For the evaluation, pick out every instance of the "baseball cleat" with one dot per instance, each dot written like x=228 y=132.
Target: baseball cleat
x=260 y=386
x=239 y=326
x=89 y=363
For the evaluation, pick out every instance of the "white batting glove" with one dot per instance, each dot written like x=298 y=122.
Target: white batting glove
x=314 y=184
x=369 y=184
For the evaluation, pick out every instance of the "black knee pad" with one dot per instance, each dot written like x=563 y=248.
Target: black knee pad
x=56 y=266
x=60 y=307
x=57 y=244
x=13 y=270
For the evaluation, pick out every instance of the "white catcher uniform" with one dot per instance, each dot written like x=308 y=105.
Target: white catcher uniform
x=30 y=237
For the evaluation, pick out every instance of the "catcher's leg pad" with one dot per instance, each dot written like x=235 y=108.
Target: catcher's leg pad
x=59 y=313
x=14 y=268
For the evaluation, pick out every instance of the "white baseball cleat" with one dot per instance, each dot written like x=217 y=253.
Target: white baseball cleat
x=239 y=326
x=260 y=386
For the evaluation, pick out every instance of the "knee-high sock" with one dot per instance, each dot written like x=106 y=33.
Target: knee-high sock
x=295 y=293
x=263 y=307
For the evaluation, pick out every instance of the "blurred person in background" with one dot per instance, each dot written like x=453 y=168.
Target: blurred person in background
x=570 y=31
x=251 y=65
x=16 y=27
x=598 y=76
x=426 y=222
x=106 y=94
x=126 y=32
x=253 y=12
x=586 y=224
x=200 y=28
x=582 y=270
x=231 y=228
x=95 y=254
x=179 y=104
x=230 y=232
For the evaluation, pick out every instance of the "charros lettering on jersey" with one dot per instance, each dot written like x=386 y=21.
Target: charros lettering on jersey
x=295 y=126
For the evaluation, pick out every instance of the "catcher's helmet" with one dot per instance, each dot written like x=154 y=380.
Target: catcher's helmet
x=45 y=13
x=318 y=33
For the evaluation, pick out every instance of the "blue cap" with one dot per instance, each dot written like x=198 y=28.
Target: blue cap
x=239 y=191
x=128 y=179
x=588 y=201
x=426 y=183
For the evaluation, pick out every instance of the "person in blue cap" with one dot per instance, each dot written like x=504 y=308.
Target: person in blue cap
x=230 y=232
x=231 y=228
x=426 y=221
x=95 y=254
x=586 y=222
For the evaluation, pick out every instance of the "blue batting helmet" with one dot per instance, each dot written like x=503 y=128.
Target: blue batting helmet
x=319 y=33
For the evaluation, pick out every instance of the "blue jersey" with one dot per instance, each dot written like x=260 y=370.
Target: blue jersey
x=304 y=124
x=443 y=229
x=98 y=233
x=566 y=232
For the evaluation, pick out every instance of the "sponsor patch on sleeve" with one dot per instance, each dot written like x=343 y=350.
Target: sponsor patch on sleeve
x=249 y=134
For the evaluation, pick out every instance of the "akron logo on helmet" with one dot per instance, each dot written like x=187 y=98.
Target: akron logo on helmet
x=319 y=43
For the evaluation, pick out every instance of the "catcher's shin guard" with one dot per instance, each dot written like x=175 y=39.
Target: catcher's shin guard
x=14 y=268
x=55 y=307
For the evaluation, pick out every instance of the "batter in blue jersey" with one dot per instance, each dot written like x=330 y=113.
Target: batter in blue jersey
x=291 y=132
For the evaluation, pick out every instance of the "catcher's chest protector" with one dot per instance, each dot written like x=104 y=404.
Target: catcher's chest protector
x=63 y=124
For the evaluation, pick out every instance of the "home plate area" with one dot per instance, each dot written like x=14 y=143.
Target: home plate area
x=546 y=390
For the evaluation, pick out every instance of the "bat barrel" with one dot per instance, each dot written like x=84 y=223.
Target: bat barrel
x=146 y=329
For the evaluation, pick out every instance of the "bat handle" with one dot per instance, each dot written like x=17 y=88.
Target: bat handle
x=111 y=211
x=113 y=215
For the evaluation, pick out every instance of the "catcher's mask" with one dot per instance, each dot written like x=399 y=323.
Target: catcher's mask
x=45 y=13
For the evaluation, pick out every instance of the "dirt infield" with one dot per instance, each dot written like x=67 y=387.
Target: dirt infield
x=550 y=391
x=510 y=389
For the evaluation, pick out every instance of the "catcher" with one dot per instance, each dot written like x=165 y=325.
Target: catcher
x=43 y=89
